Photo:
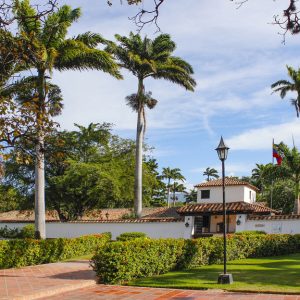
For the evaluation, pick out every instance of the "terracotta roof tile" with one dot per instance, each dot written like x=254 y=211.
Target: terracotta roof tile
x=231 y=207
x=228 y=182
x=277 y=217
x=103 y=215
x=151 y=220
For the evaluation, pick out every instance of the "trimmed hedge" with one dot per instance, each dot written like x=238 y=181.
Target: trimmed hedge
x=26 y=252
x=120 y=262
x=126 y=236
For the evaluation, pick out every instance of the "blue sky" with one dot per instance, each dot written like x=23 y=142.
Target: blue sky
x=236 y=54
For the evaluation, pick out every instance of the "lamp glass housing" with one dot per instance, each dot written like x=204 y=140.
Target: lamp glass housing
x=222 y=150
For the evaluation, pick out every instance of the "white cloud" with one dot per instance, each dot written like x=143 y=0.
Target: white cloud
x=261 y=138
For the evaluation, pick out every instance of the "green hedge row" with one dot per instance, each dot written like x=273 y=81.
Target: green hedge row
x=26 y=252
x=120 y=262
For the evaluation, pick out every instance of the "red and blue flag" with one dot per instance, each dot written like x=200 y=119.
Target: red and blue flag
x=277 y=154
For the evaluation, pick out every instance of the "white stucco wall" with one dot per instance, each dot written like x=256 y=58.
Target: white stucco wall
x=233 y=194
x=152 y=229
x=289 y=226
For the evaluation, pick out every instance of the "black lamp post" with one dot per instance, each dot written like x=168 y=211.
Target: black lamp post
x=222 y=150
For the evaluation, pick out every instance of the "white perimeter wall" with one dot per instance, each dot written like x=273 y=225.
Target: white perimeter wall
x=152 y=229
x=269 y=226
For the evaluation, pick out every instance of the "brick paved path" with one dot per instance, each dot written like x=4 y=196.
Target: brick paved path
x=139 y=293
x=76 y=280
x=37 y=281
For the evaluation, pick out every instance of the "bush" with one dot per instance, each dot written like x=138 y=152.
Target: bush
x=126 y=236
x=9 y=233
x=250 y=232
x=25 y=252
x=120 y=262
x=123 y=261
x=15 y=233
x=27 y=232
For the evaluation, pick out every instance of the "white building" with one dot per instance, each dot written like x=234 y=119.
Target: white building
x=243 y=212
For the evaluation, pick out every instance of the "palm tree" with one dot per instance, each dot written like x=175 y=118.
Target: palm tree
x=210 y=172
x=259 y=175
x=169 y=174
x=191 y=196
x=177 y=187
x=146 y=58
x=48 y=49
x=284 y=86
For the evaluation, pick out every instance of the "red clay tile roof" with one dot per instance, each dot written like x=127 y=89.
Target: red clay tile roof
x=228 y=182
x=277 y=217
x=231 y=208
x=161 y=214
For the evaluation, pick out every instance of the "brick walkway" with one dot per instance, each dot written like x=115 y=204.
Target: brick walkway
x=139 y=293
x=76 y=280
x=44 y=280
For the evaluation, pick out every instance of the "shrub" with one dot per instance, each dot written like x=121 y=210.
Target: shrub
x=123 y=261
x=120 y=262
x=15 y=233
x=9 y=233
x=25 y=252
x=126 y=236
x=27 y=232
x=250 y=232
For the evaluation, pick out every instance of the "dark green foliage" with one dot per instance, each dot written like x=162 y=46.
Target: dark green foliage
x=25 y=252
x=120 y=262
x=88 y=168
x=15 y=233
x=126 y=236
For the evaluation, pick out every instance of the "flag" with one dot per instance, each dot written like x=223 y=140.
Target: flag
x=277 y=154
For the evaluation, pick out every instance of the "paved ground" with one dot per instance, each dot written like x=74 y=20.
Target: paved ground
x=43 y=280
x=76 y=280
x=131 y=293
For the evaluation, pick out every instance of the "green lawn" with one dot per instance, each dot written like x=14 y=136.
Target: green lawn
x=82 y=257
x=269 y=274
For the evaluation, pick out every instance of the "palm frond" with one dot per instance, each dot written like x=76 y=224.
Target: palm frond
x=27 y=17
x=90 y=39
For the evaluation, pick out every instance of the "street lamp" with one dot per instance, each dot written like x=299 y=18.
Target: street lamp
x=222 y=150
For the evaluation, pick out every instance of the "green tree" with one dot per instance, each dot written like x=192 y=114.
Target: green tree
x=191 y=196
x=48 y=49
x=177 y=188
x=146 y=58
x=175 y=174
x=283 y=195
x=290 y=169
x=210 y=172
x=285 y=86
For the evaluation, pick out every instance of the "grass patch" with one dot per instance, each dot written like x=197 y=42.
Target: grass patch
x=279 y=274
x=82 y=257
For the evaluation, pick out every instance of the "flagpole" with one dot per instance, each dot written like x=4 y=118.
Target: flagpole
x=271 y=202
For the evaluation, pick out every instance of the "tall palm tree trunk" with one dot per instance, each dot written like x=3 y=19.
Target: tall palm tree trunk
x=174 y=195
x=40 y=220
x=169 y=194
x=138 y=183
x=296 y=204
